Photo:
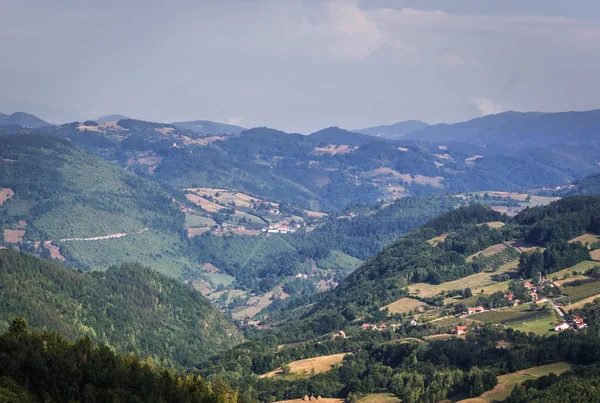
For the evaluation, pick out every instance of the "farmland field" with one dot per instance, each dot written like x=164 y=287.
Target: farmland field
x=254 y=306
x=404 y=305
x=507 y=382
x=579 y=292
x=580 y=268
x=476 y=282
x=192 y=220
x=586 y=238
x=380 y=398
x=324 y=400
x=304 y=367
x=437 y=240
x=520 y=318
x=5 y=194
x=493 y=224
x=581 y=303
x=220 y=278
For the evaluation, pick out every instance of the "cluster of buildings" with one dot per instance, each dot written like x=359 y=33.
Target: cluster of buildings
x=281 y=228
x=576 y=324
x=473 y=310
x=375 y=328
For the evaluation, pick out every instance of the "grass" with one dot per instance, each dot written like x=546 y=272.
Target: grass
x=489 y=251
x=476 y=282
x=579 y=292
x=254 y=306
x=581 y=267
x=303 y=368
x=595 y=254
x=507 y=382
x=586 y=238
x=380 y=398
x=220 y=278
x=404 y=305
x=493 y=224
x=192 y=220
x=581 y=303
x=438 y=239
x=520 y=318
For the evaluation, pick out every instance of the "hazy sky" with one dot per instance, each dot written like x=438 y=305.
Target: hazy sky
x=298 y=65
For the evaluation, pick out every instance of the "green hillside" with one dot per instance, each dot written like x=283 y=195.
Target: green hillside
x=130 y=308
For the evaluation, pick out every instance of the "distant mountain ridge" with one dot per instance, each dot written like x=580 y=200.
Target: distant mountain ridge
x=336 y=135
x=518 y=130
x=22 y=119
x=209 y=127
x=110 y=118
x=394 y=131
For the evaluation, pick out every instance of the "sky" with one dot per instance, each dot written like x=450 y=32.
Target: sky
x=296 y=65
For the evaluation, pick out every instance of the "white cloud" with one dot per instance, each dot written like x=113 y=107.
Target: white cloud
x=236 y=120
x=487 y=106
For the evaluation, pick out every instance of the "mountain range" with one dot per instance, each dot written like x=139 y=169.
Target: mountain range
x=22 y=119
x=394 y=131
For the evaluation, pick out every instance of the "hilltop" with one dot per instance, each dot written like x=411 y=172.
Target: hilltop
x=130 y=308
x=22 y=119
x=209 y=127
x=394 y=131
x=518 y=130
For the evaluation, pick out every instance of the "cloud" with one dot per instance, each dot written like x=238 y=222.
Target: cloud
x=236 y=120
x=452 y=60
x=487 y=106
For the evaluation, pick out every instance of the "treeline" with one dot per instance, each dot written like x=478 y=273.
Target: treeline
x=45 y=367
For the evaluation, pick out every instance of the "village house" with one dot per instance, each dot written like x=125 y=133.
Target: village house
x=556 y=284
x=516 y=302
x=578 y=323
x=509 y=297
x=559 y=327
x=534 y=296
x=542 y=300
x=529 y=286
x=458 y=330
x=476 y=309
x=414 y=322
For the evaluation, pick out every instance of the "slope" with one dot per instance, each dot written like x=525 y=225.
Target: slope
x=131 y=308
x=22 y=119
x=84 y=205
x=393 y=131
x=209 y=127
x=516 y=130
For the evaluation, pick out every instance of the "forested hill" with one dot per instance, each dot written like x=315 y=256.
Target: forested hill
x=130 y=308
x=330 y=169
x=438 y=252
x=54 y=194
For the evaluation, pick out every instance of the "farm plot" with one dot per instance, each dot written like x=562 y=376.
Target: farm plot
x=580 y=289
x=581 y=303
x=193 y=220
x=5 y=194
x=380 y=398
x=520 y=318
x=585 y=239
x=437 y=240
x=404 y=305
x=489 y=251
x=305 y=367
x=253 y=307
x=13 y=235
x=506 y=383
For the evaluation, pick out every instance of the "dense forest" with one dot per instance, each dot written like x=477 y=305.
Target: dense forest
x=130 y=308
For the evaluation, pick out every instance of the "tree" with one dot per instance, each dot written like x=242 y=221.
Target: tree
x=467 y=293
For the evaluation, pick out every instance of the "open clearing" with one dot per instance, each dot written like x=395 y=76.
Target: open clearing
x=324 y=400
x=493 y=224
x=507 y=382
x=192 y=232
x=579 y=268
x=489 y=251
x=319 y=364
x=520 y=318
x=13 y=235
x=334 y=149
x=580 y=304
x=437 y=240
x=193 y=220
x=595 y=254
x=475 y=281
x=586 y=238
x=585 y=290
x=5 y=194
x=380 y=398
x=254 y=306
x=404 y=305
x=204 y=203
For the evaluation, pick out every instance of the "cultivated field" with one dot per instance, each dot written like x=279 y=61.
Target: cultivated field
x=254 y=306
x=520 y=318
x=304 y=367
x=595 y=254
x=13 y=235
x=506 y=383
x=489 y=251
x=577 y=293
x=475 y=281
x=404 y=305
x=493 y=224
x=5 y=194
x=204 y=203
x=581 y=303
x=586 y=238
x=579 y=268
x=192 y=232
x=193 y=220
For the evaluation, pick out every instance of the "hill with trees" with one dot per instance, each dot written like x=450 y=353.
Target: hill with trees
x=394 y=131
x=130 y=308
x=22 y=119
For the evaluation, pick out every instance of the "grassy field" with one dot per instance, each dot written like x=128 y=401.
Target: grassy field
x=380 y=398
x=489 y=251
x=476 y=282
x=403 y=305
x=586 y=238
x=520 y=318
x=303 y=368
x=192 y=220
x=595 y=254
x=581 y=303
x=506 y=383
x=220 y=278
x=437 y=240
x=255 y=305
x=493 y=224
x=580 y=268
x=579 y=292
x=324 y=400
